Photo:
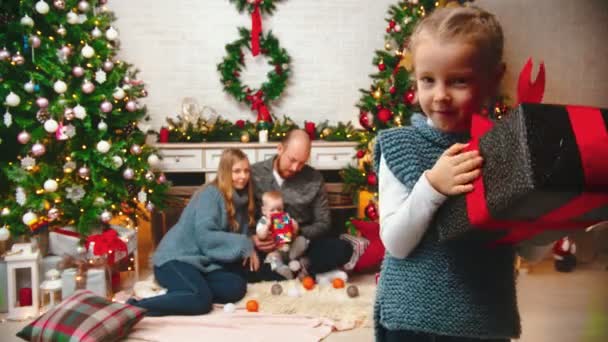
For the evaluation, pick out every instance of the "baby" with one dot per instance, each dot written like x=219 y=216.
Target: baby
x=276 y=222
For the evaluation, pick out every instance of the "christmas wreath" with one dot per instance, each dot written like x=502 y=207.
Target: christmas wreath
x=232 y=65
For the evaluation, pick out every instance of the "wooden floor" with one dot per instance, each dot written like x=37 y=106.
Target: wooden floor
x=555 y=307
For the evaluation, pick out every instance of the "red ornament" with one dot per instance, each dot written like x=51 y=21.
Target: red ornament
x=381 y=66
x=164 y=135
x=366 y=120
x=277 y=69
x=371 y=211
x=360 y=154
x=410 y=97
x=372 y=179
x=310 y=128
x=392 y=24
x=392 y=90
x=384 y=115
x=240 y=123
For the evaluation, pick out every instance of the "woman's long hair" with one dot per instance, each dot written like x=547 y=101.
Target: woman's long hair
x=223 y=181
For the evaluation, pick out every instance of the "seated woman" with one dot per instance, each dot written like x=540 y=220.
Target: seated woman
x=201 y=260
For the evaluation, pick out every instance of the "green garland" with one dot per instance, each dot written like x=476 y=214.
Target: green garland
x=232 y=65
x=266 y=6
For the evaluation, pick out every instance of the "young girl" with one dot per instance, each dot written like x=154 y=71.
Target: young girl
x=431 y=291
x=200 y=260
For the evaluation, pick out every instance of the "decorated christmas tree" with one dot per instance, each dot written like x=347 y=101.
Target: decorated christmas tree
x=391 y=100
x=73 y=154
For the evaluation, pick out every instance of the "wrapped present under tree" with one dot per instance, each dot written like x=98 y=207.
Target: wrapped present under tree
x=545 y=168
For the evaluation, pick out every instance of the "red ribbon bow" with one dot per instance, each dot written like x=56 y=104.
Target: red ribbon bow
x=108 y=243
x=528 y=91
x=257 y=103
x=256 y=28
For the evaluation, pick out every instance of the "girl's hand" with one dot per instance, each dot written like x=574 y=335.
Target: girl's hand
x=455 y=170
x=254 y=261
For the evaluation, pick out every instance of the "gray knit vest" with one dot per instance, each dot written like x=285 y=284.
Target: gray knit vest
x=459 y=288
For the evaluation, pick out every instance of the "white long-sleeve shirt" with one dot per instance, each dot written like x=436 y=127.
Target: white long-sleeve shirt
x=405 y=215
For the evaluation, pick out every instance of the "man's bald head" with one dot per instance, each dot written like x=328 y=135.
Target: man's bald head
x=293 y=153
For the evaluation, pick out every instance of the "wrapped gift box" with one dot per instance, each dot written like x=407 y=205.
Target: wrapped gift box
x=96 y=282
x=545 y=168
x=65 y=241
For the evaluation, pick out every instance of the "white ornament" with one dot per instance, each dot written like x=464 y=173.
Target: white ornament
x=111 y=33
x=96 y=33
x=27 y=21
x=29 y=87
x=103 y=146
x=8 y=118
x=83 y=6
x=5 y=211
x=42 y=7
x=28 y=163
x=72 y=18
x=229 y=308
x=153 y=160
x=60 y=87
x=87 y=51
x=142 y=196
x=100 y=76
x=106 y=216
x=50 y=185
x=61 y=30
x=20 y=196
x=4 y=234
x=119 y=93
x=293 y=292
x=397 y=28
x=80 y=112
x=128 y=173
x=12 y=99
x=82 y=18
x=29 y=217
x=51 y=126
x=102 y=126
x=117 y=161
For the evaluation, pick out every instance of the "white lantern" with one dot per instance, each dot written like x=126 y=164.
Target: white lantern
x=22 y=256
x=50 y=290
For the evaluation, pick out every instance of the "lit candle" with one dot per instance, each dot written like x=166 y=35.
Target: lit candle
x=263 y=136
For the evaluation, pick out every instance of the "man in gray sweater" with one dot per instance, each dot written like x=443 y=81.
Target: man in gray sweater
x=305 y=200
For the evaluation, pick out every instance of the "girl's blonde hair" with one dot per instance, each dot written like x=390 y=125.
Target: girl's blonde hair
x=223 y=181
x=466 y=24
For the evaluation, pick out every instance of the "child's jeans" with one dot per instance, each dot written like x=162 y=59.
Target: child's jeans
x=192 y=292
x=412 y=336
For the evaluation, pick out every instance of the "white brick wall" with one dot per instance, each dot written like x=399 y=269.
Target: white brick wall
x=178 y=44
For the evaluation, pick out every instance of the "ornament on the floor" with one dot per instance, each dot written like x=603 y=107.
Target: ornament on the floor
x=352 y=291
x=308 y=283
x=338 y=283
x=12 y=99
x=276 y=289
x=229 y=308
x=564 y=251
x=252 y=305
x=293 y=291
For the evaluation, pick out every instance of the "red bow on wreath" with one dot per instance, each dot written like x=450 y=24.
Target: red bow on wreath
x=257 y=103
x=108 y=243
x=256 y=28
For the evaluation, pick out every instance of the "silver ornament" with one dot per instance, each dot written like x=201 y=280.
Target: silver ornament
x=128 y=173
x=102 y=126
x=4 y=54
x=106 y=216
x=136 y=149
x=83 y=6
x=96 y=33
x=108 y=65
x=84 y=172
x=29 y=87
x=276 y=289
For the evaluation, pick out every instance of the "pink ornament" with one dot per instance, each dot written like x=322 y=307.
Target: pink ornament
x=128 y=173
x=78 y=71
x=136 y=149
x=131 y=106
x=108 y=66
x=60 y=133
x=84 y=172
x=106 y=106
x=42 y=102
x=23 y=137
x=53 y=214
x=18 y=59
x=68 y=114
x=150 y=206
x=4 y=54
x=38 y=149
x=66 y=50
x=88 y=87
x=103 y=2
x=161 y=178
x=59 y=4
x=83 y=6
x=35 y=41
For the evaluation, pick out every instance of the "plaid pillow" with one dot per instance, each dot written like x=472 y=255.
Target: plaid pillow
x=83 y=316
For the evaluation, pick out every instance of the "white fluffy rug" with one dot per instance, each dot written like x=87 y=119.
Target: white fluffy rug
x=323 y=302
